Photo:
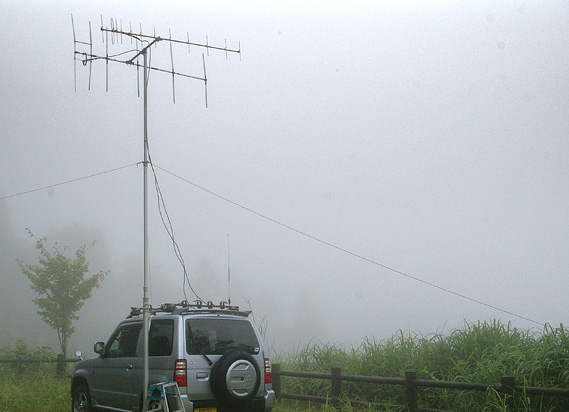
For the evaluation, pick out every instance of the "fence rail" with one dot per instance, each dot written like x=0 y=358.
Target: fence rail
x=410 y=383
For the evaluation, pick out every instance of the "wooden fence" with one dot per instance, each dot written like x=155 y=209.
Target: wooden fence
x=410 y=383
x=60 y=361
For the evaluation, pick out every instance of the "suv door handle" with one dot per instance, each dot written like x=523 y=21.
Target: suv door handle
x=202 y=376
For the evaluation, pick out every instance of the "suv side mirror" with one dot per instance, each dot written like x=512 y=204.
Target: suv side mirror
x=99 y=348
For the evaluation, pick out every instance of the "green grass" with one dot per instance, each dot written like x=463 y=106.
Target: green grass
x=37 y=391
x=476 y=353
x=294 y=406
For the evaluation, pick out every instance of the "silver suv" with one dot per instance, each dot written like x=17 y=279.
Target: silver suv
x=215 y=353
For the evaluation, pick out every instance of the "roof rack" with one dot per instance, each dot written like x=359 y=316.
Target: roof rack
x=185 y=305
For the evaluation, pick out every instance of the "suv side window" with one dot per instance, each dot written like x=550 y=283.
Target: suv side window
x=161 y=337
x=123 y=343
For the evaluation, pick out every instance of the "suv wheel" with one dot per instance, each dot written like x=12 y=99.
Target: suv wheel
x=81 y=400
x=235 y=378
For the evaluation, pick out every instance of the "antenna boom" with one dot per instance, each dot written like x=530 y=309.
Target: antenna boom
x=141 y=36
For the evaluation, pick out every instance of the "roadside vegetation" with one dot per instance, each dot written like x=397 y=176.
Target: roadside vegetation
x=476 y=353
x=38 y=391
x=31 y=386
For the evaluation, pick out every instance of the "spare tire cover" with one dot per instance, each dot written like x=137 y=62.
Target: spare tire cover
x=235 y=378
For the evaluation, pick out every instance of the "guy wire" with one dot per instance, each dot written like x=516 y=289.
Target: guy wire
x=66 y=182
x=354 y=254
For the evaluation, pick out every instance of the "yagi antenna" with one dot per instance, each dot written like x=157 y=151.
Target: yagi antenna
x=113 y=38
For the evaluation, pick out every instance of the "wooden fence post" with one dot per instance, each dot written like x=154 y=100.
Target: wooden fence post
x=411 y=391
x=507 y=384
x=336 y=385
x=277 y=379
x=60 y=365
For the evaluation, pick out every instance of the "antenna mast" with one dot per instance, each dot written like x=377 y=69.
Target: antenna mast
x=143 y=42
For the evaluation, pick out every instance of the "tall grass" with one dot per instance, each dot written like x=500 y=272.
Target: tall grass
x=477 y=353
x=32 y=386
x=37 y=391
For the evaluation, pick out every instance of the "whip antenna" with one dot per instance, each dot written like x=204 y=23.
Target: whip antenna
x=228 y=274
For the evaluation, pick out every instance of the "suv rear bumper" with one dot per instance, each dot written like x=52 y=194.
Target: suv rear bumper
x=269 y=399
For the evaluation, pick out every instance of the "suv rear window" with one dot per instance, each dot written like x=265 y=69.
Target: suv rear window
x=216 y=336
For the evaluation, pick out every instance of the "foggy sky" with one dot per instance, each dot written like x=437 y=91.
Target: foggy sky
x=429 y=137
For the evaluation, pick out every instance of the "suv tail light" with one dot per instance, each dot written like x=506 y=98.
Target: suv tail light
x=268 y=373
x=180 y=373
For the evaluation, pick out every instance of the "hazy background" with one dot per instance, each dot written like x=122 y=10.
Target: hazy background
x=430 y=137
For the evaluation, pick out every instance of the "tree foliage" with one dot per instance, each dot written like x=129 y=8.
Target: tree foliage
x=62 y=285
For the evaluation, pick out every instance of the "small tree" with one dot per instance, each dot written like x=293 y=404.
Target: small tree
x=61 y=283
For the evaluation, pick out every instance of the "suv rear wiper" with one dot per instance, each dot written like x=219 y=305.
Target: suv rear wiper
x=207 y=359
